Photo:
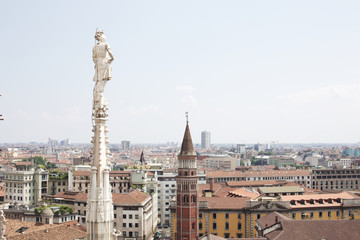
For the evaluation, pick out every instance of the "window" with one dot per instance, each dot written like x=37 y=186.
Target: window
x=258 y=216
x=338 y=213
x=214 y=225
x=226 y=215
x=136 y=225
x=320 y=214
x=200 y=215
x=136 y=216
x=200 y=226
x=226 y=226
x=124 y=225
x=124 y=216
x=329 y=214
x=311 y=215
x=136 y=234
x=227 y=235
x=115 y=215
x=239 y=226
x=214 y=215
x=124 y=233
x=239 y=235
x=293 y=215
x=239 y=215
x=130 y=216
x=130 y=225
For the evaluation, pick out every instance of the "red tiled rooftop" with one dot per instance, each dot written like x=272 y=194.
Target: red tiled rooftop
x=224 y=202
x=243 y=192
x=37 y=231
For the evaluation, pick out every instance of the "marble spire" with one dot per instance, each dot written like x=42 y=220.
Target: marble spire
x=99 y=212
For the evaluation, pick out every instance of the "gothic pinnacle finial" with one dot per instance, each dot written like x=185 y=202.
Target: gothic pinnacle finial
x=187 y=117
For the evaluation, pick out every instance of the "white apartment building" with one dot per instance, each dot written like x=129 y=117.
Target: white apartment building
x=167 y=192
x=25 y=187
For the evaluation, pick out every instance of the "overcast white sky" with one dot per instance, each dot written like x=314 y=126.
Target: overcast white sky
x=247 y=71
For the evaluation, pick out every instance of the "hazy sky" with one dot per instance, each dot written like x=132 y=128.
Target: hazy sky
x=247 y=71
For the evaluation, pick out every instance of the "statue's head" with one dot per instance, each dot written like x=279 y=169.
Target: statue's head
x=99 y=35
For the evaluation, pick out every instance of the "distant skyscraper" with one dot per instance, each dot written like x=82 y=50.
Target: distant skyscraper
x=205 y=140
x=240 y=148
x=259 y=147
x=125 y=145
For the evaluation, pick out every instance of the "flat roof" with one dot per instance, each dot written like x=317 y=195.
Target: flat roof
x=284 y=189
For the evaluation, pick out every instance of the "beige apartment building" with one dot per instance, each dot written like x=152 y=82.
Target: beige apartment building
x=221 y=163
x=132 y=212
x=119 y=180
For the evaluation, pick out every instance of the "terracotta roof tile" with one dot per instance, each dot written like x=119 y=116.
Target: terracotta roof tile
x=37 y=231
x=243 y=192
x=225 y=203
x=319 y=229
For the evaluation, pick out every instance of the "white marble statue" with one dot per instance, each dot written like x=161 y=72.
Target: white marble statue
x=102 y=57
x=2 y=225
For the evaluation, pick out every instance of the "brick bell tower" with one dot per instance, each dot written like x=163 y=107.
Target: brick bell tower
x=187 y=207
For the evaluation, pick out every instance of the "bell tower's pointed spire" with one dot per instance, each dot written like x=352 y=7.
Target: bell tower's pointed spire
x=187 y=147
x=142 y=158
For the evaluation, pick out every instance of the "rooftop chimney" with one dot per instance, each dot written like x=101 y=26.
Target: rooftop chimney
x=212 y=183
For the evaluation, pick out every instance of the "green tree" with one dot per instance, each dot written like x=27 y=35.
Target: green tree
x=40 y=161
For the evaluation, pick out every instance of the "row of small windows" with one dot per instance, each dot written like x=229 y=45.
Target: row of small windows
x=226 y=235
x=19 y=185
x=18 y=191
x=17 y=198
x=214 y=215
x=18 y=177
x=227 y=226
x=320 y=214
x=130 y=225
x=186 y=199
x=130 y=216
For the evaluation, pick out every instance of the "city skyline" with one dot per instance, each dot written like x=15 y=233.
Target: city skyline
x=247 y=72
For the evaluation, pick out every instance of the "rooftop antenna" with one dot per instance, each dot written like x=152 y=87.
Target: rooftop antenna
x=187 y=118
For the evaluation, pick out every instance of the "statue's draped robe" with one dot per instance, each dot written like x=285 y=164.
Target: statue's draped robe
x=102 y=68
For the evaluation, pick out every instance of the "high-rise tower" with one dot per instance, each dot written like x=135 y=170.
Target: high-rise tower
x=205 y=140
x=99 y=211
x=187 y=207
